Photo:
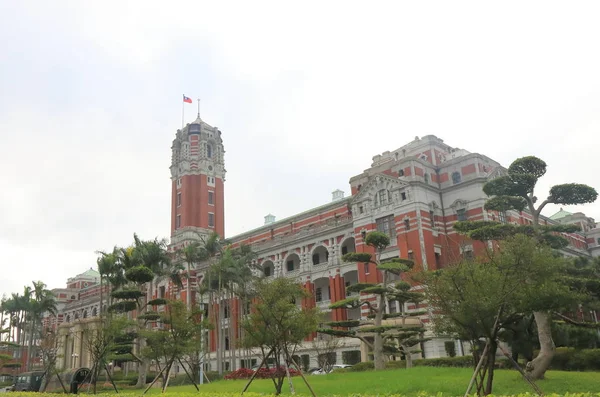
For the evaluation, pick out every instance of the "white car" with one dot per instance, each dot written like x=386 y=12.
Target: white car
x=320 y=371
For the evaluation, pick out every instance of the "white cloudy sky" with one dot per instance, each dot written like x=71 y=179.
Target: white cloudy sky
x=90 y=99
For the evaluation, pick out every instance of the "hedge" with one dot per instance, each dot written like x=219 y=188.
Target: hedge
x=568 y=359
x=253 y=394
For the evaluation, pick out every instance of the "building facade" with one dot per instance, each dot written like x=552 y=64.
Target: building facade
x=414 y=194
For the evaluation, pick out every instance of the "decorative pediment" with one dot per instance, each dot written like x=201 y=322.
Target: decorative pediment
x=459 y=204
x=496 y=172
x=377 y=183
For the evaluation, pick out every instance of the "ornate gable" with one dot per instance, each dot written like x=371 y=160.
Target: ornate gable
x=368 y=198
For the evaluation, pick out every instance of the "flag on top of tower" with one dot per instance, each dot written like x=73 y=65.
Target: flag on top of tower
x=186 y=99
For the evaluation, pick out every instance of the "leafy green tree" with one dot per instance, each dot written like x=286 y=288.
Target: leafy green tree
x=477 y=299
x=388 y=290
x=515 y=191
x=179 y=337
x=103 y=340
x=277 y=323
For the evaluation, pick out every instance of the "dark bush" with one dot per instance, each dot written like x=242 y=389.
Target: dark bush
x=568 y=359
x=364 y=366
x=456 y=362
x=395 y=364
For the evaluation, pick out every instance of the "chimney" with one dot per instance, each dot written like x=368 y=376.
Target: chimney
x=337 y=195
x=269 y=219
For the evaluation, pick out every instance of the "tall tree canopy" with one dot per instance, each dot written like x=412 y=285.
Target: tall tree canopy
x=515 y=191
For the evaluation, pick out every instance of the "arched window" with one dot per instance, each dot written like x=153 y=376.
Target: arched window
x=209 y=151
x=456 y=177
x=94 y=312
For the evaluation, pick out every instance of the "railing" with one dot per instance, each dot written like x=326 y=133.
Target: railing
x=306 y=231
x=324 y=304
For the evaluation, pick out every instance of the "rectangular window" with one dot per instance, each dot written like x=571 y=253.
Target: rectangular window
x=361 y=209
x=162 y=292
x=315 y=259
x=403 y=195
x=178 y=183
x=411 y=255
x=432 y=218
x=318 y=294
x=344 y=250
x=211 y=198
x=211 y=219
x=437 y=260
x=502 y=216
x=386 y=225
x=178 y=222
x=383 y=197
x=598 y=241
x=179 y=199
x=290 y=266
x=461 y=214
x=367 y=268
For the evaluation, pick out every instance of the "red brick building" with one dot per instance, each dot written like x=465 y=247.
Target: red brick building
x=414 y=194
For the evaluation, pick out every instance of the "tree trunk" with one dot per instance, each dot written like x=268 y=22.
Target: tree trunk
x=219 y=326
x=408 y=356
x=30 y=347
x=537 y=368
x=378 y=358
x=491 y=363
x=143 y=366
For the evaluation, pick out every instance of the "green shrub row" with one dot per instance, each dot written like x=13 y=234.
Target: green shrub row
x=253 y=394
x=565 y=359
x=455 y=362
x=568 y=359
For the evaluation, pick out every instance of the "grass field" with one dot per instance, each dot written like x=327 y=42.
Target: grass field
x=409 y=382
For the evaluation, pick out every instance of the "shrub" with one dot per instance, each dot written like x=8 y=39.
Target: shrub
x=395 y=364
x=263 y=373
x=456 y=362
x=568 y=359
x=364 y=366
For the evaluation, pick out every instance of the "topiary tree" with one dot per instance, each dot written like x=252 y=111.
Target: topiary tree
x=515 y=191
x=388 y=290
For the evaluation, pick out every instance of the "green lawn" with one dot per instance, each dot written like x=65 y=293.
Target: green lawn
x=448 y=381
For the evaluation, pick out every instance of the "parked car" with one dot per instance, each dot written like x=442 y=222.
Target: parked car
x=321 y=371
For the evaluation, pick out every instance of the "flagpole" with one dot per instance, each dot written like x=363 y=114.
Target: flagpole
x=182 y=111
x=198 y=107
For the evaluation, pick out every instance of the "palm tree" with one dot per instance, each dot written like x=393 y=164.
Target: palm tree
x=190 y=254
x=228 y=279
x=42 y=301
